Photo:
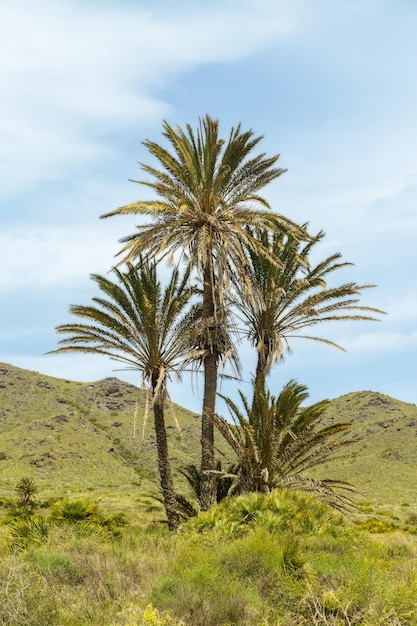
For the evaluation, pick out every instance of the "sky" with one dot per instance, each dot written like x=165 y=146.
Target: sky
x=332 y=87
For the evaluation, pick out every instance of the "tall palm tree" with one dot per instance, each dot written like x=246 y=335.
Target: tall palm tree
x=207 y=192
x=292 y=295
x=144 y=326
x=276 y=441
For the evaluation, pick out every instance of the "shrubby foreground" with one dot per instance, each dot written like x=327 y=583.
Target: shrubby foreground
x=277 y=559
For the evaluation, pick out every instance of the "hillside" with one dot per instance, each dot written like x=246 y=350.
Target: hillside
x=86 y=438
x=383 y=463
x=89 y=439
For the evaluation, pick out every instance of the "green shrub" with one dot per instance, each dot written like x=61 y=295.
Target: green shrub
x=25 y=532
x=280 y=511
x=374 y=525
x=87 y=517
x=75 y=510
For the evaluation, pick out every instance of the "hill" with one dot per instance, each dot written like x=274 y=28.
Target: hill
x=382 y=464
x=90 y=439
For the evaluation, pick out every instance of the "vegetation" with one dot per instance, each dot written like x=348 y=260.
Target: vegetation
x=206 y=192
x=207 y=210
x=278 y=559
x=224 y=480
x=289 y=294
x=26 y=491
x=80 y=440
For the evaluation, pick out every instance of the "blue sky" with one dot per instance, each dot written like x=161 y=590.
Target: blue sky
x=332 y=86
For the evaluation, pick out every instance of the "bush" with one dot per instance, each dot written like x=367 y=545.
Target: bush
x=25 y=532
x=374 y=525
x=87 y=517
x=280 y=511
x=75 y=510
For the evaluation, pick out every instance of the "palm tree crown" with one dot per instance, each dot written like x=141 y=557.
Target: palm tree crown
x=207 y=191
x=292 y=295
x=276 y=441
x=140 y=324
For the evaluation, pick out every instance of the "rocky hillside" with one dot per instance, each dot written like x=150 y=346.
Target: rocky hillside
x=97 y=438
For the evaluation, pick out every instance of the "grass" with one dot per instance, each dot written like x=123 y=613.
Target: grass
x=310 y=567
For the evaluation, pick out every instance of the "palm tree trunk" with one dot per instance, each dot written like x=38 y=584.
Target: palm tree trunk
x=207 y=497
x=258 y=383
x=167 y=485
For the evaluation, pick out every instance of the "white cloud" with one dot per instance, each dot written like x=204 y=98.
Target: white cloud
x=41 y=257
x=71 y=74
x=385 y=342
x=46 y=257
x=77 y=78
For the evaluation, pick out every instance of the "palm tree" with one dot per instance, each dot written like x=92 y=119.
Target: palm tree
x=292 y=295
x=144 y=326
x=207 y=191
x=26 y=490
x=276 y=441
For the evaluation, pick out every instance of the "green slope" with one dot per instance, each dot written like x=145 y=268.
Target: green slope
x=93 y=439
x=383 y=463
